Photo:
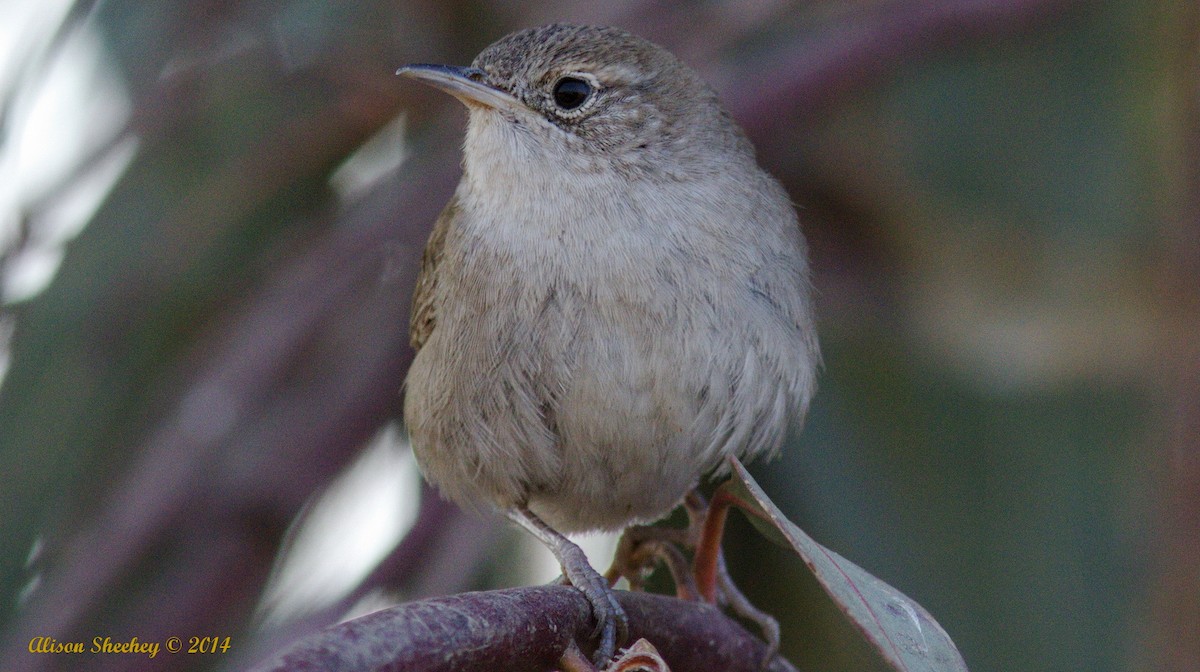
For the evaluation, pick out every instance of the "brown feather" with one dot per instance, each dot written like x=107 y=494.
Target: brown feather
x=424 y=311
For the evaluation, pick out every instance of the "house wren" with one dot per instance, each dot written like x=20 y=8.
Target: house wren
x=616 y=297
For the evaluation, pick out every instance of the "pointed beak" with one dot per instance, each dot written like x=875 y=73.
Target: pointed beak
x=466 y=84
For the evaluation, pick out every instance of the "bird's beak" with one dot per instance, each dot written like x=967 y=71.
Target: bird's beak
x=466 y=84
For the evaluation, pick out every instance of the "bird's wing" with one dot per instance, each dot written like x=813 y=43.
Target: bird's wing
x=424 y=312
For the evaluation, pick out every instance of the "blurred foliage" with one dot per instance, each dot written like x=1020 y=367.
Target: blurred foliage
x=1001 y=202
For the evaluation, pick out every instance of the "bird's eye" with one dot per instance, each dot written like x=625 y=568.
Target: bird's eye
x=571 y=92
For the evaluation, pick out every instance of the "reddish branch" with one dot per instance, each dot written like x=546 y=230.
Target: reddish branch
x=519 y=629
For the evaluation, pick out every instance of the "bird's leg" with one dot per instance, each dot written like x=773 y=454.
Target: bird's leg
x=612 y=625
x=708 y=562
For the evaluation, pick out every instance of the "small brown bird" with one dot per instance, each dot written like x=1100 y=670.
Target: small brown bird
x=616 y=297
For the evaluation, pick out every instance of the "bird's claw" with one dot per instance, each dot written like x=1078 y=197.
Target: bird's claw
x=612 y=624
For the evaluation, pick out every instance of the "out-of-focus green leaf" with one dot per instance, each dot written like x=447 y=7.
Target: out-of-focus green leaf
x=905 y=634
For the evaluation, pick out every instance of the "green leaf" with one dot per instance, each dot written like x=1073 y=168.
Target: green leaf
x=905 y=634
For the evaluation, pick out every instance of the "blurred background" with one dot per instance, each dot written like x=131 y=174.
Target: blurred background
x=210 y=215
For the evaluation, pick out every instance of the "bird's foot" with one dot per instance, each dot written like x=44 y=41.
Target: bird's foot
x=612 y=624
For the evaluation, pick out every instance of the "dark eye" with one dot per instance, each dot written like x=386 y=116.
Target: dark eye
x=571 y=92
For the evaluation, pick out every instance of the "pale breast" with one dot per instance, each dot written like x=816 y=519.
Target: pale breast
x=594 y=368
